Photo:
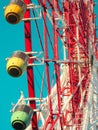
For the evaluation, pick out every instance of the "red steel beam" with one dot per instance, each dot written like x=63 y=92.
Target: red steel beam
x=56 y=66
x=47 y=65
x=71 y=9
x=30 y=74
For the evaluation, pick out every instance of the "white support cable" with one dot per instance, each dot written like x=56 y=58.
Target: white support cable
x=32 y=52
x=29 y=19
x=35 y=64
x=34 y=99
x=32 y=6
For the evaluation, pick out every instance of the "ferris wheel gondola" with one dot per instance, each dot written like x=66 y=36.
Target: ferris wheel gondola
x=68 y=44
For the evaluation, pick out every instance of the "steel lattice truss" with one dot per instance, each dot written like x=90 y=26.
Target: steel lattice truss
x=67 y=105
x=71 y=100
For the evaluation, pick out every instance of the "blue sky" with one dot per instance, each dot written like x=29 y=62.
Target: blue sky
x=11 y=39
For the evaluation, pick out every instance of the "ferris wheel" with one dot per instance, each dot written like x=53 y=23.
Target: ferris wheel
x=62 y=63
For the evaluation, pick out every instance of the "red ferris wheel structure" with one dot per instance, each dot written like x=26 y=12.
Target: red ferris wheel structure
x=68 y=59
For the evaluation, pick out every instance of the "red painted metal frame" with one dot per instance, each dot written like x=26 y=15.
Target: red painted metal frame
x=47 y=68
x=71 y=9
x=84 y=34
x=47 y=73
x=51 y=121
x=82 y=14
x=56 y=65
x=30 y=75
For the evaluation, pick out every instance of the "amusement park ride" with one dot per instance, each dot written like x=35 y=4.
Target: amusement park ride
x=67 y=56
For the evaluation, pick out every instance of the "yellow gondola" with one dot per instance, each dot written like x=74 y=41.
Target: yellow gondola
x=14 y=12
x=17 y=64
